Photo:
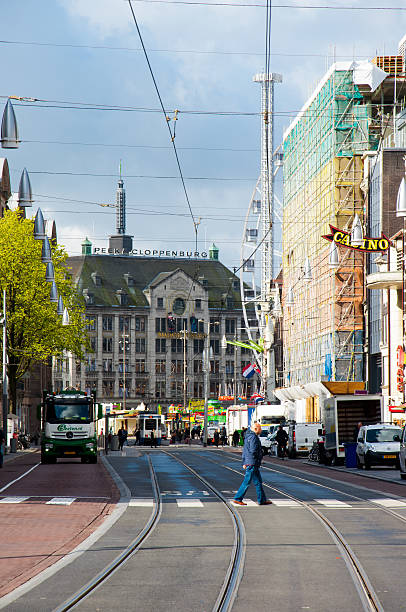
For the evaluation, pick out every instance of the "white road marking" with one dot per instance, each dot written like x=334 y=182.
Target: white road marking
x=13 y=500
x=189 y=503
x=19 y=478
x=286 y=503
x=247 y=502
x=332 y=503
x=141 y=501
x=389 y=503
x=61 y=501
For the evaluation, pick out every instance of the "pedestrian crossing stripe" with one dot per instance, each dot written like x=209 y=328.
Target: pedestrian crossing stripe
x=286 y=503
x=189 y=503
x=389 y=503
x=142 y=502
x=13 y=500
x=61 y=501
x=332 y=503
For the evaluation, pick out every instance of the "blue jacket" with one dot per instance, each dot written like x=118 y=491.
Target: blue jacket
x=252 y=452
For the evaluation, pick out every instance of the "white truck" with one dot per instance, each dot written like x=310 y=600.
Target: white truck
x=340 y=416
x=239 y=417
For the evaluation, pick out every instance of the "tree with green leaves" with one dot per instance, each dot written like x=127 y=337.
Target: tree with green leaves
x=34 y=329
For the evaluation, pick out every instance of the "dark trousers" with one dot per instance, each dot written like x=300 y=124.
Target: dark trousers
x=251 y=473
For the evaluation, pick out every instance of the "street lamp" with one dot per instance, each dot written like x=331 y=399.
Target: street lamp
x=9 y=129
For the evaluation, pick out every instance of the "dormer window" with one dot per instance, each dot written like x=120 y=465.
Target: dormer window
x=122 y=297
x=96 y=278
x=129 y=280
x=89 y=297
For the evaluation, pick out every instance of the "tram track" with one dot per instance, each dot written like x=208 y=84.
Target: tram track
x=234 y=571
x=118 y=561
x=367 y=594
x=388 y=511
x=233 y=576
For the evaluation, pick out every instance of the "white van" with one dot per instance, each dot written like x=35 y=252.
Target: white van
x=301 y=437
x=378 y=445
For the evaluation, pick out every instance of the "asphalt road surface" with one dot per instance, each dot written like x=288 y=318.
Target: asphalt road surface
x=325 y=542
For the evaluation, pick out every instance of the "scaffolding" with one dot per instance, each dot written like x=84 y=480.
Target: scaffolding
x=323 y=171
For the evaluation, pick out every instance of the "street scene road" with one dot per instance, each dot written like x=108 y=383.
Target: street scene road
x=180 y=543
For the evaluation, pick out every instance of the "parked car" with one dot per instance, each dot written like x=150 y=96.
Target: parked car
x=402 y=455
x=301 y=437
x=378 y=445
x=262 y=437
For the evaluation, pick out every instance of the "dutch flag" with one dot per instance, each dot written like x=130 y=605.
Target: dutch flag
x=248 y=371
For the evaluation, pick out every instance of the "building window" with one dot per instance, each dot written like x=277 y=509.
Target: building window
x=121 y=346
x=160 y=388
x=140 y=387
x=197 y=366
x=214 y=367
x=160 y=302
x=107 y=344
x=160 y=366
x=107 y=365
x=160 y=324
x=214 y=388
x=93 y=344
x=107 y=388
x=214 y=326
x=177 y=345
x=90 y=323
x=140 y=345
x=198 y=304
x=176 y=389
x=181 y=324
x=121 y=364
x=231 y=349
x=230 y=326
x=197 y=390
x=128 y=385
x=139 y=324
x=230 y=302
x=160 y=345
x=90 y=364
x=78 y=368
x=124 y=324
x=108 y=323
x=198 y=346
x=177 y=366
x=140 y=365
x=215 y=346
x=229 y=367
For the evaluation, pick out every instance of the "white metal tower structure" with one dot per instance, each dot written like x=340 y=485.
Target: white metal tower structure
x=258 y=230
x=267 y=176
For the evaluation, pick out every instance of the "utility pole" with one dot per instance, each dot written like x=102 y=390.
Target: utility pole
x=124 y=339
x=184 y=372
x=5 y=380
x=206 y=363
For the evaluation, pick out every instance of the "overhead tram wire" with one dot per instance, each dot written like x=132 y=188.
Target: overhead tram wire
x=172 y=135
x=287 y=6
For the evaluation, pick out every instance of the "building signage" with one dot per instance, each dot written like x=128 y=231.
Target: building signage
x=369 y=245
x=400 y=372
x=180 y=335
x=150 y=253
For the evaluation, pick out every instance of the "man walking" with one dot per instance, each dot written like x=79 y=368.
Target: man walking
x=251 y=458
x=282 y=439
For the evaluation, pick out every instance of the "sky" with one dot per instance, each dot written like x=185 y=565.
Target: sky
x=203 y=57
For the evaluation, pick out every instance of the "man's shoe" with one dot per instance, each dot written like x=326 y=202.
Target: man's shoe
x=265 y=503
x=239 y=502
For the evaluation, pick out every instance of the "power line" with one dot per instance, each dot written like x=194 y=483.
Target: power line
x=192 y=51
x=133 y=146
x=287 y=6
x=139 y=176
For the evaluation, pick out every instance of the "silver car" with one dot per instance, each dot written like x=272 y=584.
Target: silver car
x=378 y=445
x=402 y=455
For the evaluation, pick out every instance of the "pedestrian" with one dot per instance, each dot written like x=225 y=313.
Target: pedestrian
x=243 y=432
x=2 y=447
x=223 y=436
x=153 y=440
x=251 y=459
x=356 y=431
x=121 y=438
x=137 y=436
x=282 y=439
x=236 y=438
x=216 y=438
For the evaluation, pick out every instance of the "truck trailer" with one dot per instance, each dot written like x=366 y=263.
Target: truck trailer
x=340 y=416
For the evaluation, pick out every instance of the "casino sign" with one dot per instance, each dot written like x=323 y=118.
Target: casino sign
x=368 y=245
